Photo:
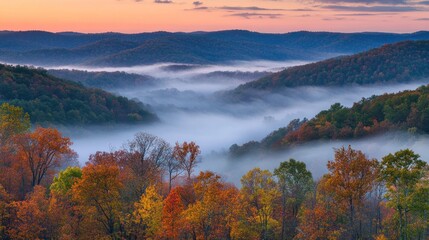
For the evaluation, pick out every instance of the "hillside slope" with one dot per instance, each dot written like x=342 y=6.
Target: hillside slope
x=105 y=80
x=393 y=63
x=407 y=110
x=50 y=100
x=117 y=49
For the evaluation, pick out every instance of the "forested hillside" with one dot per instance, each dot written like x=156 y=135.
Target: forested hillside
x=149 y=189
x=407 y=111
x=105 y=80
x=394 y=63
x=116 y=49
x=52 y=100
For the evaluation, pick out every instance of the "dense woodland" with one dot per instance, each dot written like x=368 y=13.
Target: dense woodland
x=116 y=49
x=52 y=100
x=394 y=63
x=403 y=111
x=105 y=80
x=150 y=190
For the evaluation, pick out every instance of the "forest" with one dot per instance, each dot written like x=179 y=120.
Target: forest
x=104 y=80
x=50 y=100
x=403 y=111
x=150 y=189
x=392 y=63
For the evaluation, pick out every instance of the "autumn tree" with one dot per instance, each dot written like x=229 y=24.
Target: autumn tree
x=5 y=200
x=13 y=121
x=63 y=183
x=43 y=151
x=351 y=176
x=321 y=216
x=14 y=176
x=187 y=154
x=98 y=194
x=295 y=182
x=148 y=213
x=174 y=169
x=147 y=157
x=259 y=194
x=172 y=215
x=404 y=175
x=212 y=215
x=35 y=217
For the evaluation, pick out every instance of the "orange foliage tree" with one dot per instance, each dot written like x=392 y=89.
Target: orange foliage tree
x=172 y=220
x=98 y=195
x=187 y=154
x=43 y=151
x=351 y=177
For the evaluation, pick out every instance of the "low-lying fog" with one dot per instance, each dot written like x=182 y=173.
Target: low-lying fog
x=189 y=111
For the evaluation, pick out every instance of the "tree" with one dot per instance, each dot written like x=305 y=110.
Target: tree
x=34 y=217
x=321 y=216
x=13 y=177
x=403 y=173
x=63 y=183
x=174 y=169
x=172 y=220
x=351 y=176
x=5 y=215
x=44 y=150
x=13 y=121
x=259 y=194
x=294 y=181
x=187 y=155
x=147 y=156
x=212 y=215
x=148 y=213
x=98 y=194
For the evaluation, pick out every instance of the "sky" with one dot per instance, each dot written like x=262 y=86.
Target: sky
x=276 y=16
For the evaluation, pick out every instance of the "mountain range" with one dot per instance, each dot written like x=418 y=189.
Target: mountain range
x=117 y=49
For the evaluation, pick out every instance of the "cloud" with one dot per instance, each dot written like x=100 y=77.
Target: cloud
x=198 y=9
x=423 y=3
x=238 y=9
x=255 y=15
x=299 y=10
x=253 y=8
x=422 y=19
x=163 y=1
x=362 y=14
x=197 y=3
x=393 y=2
x=333 y=19
x=380 y=8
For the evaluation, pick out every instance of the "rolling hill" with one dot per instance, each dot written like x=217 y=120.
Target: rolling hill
x=50 y=100
x=407 y=111
x=392 y=63
x=117 y=49
x=105 y=80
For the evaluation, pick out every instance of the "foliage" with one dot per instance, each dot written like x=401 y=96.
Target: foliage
x=406 y=111
x=63 y=183
x=407 y=191
x=393 y=63
x=295 y=182
x=148 y=213
x=13 y=121
x=48 y=99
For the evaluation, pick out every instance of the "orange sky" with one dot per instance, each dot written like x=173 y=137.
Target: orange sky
x=182 y=15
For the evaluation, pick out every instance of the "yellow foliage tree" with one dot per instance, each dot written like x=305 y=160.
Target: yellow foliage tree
x=148 y=213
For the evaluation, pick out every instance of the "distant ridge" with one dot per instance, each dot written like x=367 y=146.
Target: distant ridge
x=41 y=48
x=392 y=63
